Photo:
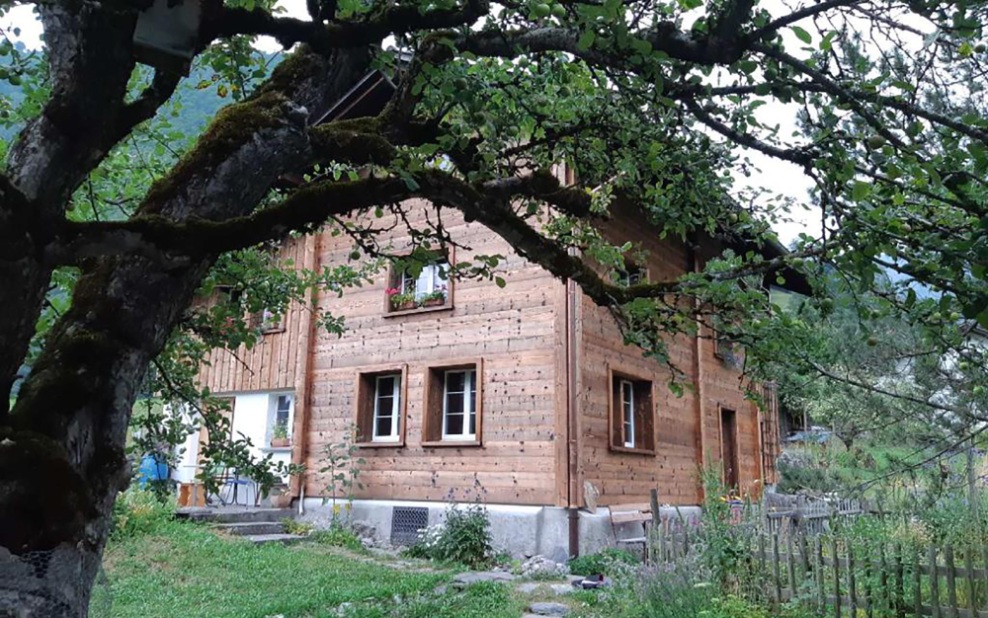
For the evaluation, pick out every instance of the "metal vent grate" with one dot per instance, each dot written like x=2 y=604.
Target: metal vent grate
x=406 y=521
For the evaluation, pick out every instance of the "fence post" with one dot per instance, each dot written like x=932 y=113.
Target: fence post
x=852 y=588
x=804 y=554
x=791 y=564
x=934 y=582
x=836 y=558
x=867 y=587
x=917 y=582
x=819 y=573
x=951 y=581
x=984 y=572
x=775 y=569
x=969 y=567
x=900 y=585
x=883 y=581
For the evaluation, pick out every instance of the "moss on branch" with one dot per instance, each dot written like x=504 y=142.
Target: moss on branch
x=234 y=126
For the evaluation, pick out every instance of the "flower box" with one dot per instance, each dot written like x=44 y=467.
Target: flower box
x=280 y=442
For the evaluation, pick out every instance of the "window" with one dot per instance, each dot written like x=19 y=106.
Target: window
x=280 y=415
x=415 y=289
x=460 y=405
x=726 y=350
x=387 y=406
x=628 y=412
x=632 y=414
x=381 y=406
x=453 y=405
x=631 y=275
x=267 y=321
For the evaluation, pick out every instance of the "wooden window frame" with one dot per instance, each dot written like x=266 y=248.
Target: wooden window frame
x=395 y=275
x=644 y=425
x=433 y=420
x=365 y=402
x=736 y=442
x=273 y=418
x=622 y=276
x=395 y=412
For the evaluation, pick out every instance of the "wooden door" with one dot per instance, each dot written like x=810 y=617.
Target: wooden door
x=729 y=448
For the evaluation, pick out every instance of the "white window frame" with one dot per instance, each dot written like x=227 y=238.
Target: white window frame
x=433 y=277
x=273 y=412
x=395 y=435
x=627 y=390
x=469 y=404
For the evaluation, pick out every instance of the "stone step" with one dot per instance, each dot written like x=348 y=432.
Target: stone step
x=263 y=539
x=247 y=528
x=231 y=515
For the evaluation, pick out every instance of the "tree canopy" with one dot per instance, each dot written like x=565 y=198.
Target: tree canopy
x=654 y=104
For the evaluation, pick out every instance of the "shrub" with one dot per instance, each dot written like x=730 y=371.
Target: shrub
x=464 y=537
x=601 y=562
x=139 y=511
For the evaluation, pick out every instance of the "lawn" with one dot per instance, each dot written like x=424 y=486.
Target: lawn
x=183 y=569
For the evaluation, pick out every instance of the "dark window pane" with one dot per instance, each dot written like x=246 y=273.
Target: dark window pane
x=385 y=405
x=384 y=426
x=386 y=385
x=454 y=424
x=454 y=403
x=473 y=423
x=454 y=381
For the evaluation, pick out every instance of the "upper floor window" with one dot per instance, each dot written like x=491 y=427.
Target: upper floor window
x=727 y=350
x=631 y=275
x=411 y=288
x=632 y=414
x=267 y=321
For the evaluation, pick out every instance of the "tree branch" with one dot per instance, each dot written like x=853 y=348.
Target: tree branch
x=393 y=20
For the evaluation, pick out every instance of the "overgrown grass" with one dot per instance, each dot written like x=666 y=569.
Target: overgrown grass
x=175 y=568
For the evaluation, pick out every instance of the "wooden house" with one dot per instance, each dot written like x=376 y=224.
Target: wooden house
x=525 y=391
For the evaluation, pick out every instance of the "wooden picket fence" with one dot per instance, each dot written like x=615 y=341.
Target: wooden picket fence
x=843 y=577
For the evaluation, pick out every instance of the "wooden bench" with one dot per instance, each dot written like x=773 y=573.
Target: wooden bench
x=637 y=513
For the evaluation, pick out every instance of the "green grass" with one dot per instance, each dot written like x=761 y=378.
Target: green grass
x=182 y=569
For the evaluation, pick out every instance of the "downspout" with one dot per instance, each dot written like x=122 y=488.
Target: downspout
x=301 y=454
x=698 y=350
x=572 y=428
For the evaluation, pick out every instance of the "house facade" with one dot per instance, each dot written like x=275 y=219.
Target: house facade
x=525 y=394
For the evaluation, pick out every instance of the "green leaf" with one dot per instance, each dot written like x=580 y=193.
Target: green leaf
x=802 y=35
x=586 y=40
x=860 y=191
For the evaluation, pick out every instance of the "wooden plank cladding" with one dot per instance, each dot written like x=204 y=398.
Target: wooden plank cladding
x=504 y=338
x=478 y=391
x=277 y=361
x=627 y=474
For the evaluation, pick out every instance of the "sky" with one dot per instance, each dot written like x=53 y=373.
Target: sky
x=777 y=176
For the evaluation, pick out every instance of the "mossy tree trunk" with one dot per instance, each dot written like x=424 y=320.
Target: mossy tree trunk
x=62 y=459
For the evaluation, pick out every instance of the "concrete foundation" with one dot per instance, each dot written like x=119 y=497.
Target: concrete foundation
x=519 y=530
